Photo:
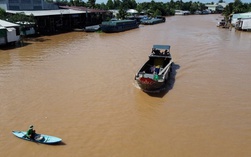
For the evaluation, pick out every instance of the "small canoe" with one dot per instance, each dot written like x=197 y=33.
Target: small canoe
x=93 y=28
x=40 y=138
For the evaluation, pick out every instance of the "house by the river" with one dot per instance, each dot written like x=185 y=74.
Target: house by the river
x=51 y=18
x=9 y=33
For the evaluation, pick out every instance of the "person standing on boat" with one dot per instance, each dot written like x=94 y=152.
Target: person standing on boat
x=152 y=69
x=31 y=132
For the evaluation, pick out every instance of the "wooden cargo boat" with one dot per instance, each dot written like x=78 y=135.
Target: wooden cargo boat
x=153 y=75
x=118 y=25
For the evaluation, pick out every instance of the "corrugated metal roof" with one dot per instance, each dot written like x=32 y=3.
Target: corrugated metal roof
x=47 y=12
x=89 y=10
x=166 y=47
x=7 y=24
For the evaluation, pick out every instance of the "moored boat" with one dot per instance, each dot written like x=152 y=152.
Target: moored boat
x=162 y=18
x=153 y=75
x=152 y=21
x=118 y=25
x=222 y=23
x=93 y=28
x=243 y=24
x=39 y=138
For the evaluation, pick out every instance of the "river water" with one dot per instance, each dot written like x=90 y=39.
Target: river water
x=80 y=87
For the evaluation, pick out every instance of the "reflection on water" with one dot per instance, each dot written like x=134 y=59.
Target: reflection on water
x=80 y=87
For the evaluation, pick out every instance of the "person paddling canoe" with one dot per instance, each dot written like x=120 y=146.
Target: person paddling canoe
x=31 y=132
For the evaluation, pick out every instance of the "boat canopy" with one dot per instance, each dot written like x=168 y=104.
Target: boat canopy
x=163 y=47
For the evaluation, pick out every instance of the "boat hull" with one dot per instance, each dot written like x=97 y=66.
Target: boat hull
x=39 y=138
x=150 y=85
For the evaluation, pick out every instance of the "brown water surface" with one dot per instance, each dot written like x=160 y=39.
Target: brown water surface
x=80 y=87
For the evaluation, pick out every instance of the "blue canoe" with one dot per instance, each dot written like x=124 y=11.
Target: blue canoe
x=40 y=138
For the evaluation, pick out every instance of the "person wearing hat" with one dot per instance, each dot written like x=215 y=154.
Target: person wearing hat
x=31 y=133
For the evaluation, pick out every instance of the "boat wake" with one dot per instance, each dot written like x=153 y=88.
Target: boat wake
x=135 y=85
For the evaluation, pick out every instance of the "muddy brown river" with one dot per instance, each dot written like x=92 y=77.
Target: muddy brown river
x=80 y=87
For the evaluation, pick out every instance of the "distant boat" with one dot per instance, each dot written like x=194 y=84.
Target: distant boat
x=144 y=18
x=162 y=18
x=152 y=21
x=236 y=17
x=118 y=25
x=153 y=75
x=222 y=23
x=137 y=18
x=79 y=29
x=182 y=12
x=93 y=28
x=243 y=24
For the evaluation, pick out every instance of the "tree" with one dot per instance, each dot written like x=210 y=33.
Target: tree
x=179 y=4
x=157 y=12
x=122 y=13
x=194 y=7
x=101 y=6
x=139 y=8
x=21 y=18
x=91 y=3
x=110 y=4
x=117 y=4
x=172 y=4
x=238 y=6
x=133 y=4
x=2 y=13
x=228 y=10
x=125 y=4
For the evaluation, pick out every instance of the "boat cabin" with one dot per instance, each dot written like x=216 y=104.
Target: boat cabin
x=161 y=50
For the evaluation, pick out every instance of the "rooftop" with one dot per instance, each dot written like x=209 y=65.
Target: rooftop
x=7 y=24
x=47 y=12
